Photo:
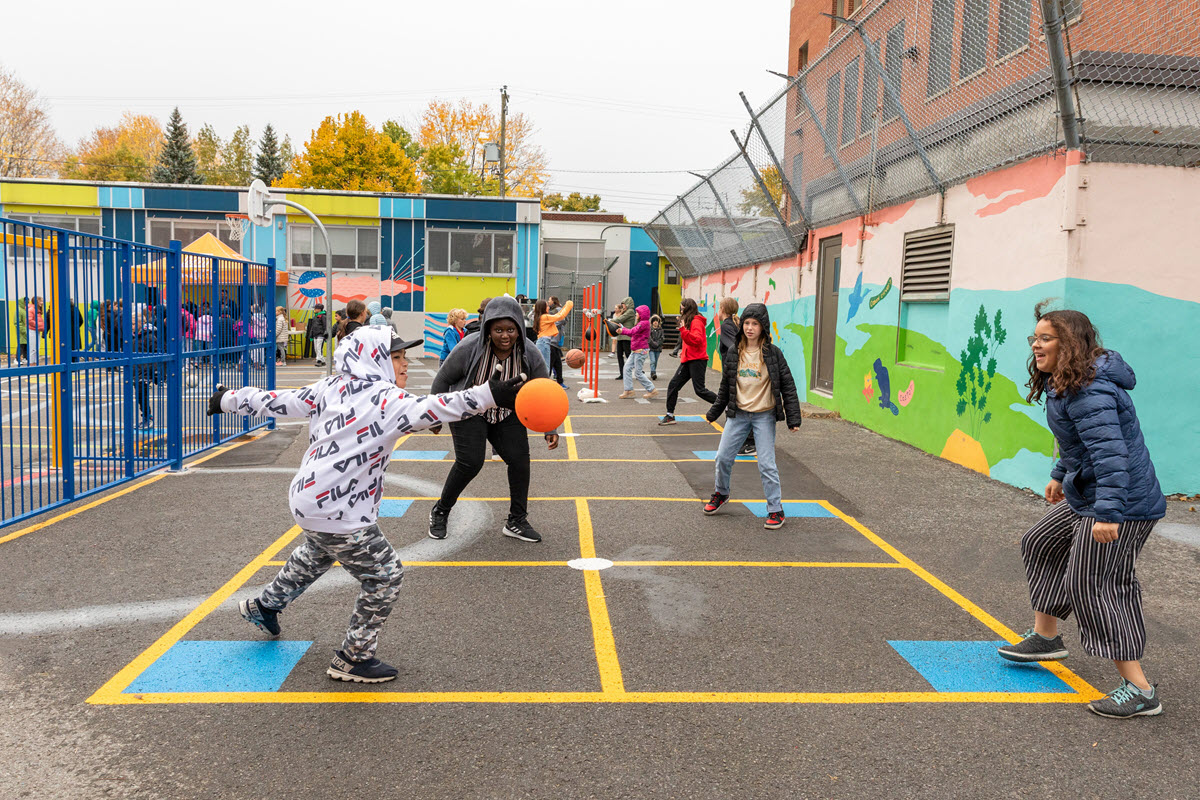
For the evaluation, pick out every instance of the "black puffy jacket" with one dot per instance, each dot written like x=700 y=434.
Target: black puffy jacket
x=787 y=402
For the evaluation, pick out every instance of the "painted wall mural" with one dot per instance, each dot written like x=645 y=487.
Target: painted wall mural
x=949 y=377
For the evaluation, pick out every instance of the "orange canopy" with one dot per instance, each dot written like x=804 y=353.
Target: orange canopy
x=197 y=264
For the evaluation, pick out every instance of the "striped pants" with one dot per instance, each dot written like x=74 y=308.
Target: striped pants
x=1069 y=571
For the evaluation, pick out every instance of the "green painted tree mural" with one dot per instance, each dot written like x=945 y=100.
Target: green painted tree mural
x=978 y=370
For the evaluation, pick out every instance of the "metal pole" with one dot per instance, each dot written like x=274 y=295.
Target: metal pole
x=503 y=119
x=1053 y=24
x=277 y=201
x=63 y=355
x=724 y=210
x=785 y=184
x=830 y=148
x=716 y=261
x=762 y=185
x=174 y=344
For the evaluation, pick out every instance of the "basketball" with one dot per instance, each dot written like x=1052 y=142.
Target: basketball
x=574 y=358
x=542 y=405
x=191 y=379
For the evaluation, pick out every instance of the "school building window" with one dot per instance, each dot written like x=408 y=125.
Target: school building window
x=802 y=58
x=353 y=248
x=833 y=90
x=672 y=276
x=870 y=91
x=850 y=103
x=473 y=252
x=162 y=231
x=891 y=65
x=941 y=46
x=973 y=42
x=1013 y=33
x=70 y=223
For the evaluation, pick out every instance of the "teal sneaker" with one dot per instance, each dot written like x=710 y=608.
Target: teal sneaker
x=1127 y=701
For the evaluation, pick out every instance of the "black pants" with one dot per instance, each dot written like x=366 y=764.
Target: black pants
x=510 y=440
x=689 y=371
x=556 y=362
x=142 y=390
x=623 y=350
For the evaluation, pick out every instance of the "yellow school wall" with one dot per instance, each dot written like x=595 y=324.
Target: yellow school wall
x=444 y=292
x=327 y=206
x=49 y=198
x=669 y=296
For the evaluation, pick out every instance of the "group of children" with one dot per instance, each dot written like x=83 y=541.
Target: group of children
x=1079 y=558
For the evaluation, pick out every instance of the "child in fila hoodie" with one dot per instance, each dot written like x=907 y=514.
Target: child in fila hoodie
x=354 y=419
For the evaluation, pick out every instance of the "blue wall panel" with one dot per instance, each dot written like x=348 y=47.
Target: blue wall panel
x=640 y=240
x=402 y=246
x=467 y=209
x=192 y=200
x=643 y=275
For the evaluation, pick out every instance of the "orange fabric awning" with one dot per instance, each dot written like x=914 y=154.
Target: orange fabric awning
x=197 y=270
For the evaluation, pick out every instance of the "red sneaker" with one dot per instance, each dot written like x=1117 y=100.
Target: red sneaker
x=715 y=502
x=774 y=520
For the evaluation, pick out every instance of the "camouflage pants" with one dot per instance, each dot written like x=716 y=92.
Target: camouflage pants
x=368 y=556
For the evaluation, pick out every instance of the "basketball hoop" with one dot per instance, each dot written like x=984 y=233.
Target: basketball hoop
x=239 y=225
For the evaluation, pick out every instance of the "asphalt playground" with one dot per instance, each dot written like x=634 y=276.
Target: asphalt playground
x=641 y=650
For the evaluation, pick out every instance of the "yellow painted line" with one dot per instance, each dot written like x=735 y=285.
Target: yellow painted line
x=1068 y=677
x=602 y=634
x=720 y=428
x=146 y=482
x=604 y=460
x=110 y=692
x=813 y=564
x=459 y=563
x=403 y=439
x=632 y=435
x=598 y=497
x=384 y=696
x=572 y=448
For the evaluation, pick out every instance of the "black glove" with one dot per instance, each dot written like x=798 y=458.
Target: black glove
x=214 y=402
x=505 y=392
x=712 y=414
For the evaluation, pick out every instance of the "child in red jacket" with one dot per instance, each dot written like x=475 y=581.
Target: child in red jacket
x=693 y=362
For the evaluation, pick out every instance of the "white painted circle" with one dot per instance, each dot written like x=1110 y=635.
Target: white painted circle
x=590 y=563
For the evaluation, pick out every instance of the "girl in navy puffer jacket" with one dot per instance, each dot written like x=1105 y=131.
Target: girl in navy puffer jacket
x=1104 y=498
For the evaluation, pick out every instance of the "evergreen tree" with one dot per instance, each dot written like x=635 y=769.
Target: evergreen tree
x=268 y=165
x=176 y=161
x=238 y=157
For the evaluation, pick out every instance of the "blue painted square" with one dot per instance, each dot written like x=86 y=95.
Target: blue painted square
x=691 y=418
x=221 y=667
x=394 y=508
x=711 y=455
x=791 y=509
x=975 y=667
x=419 y=455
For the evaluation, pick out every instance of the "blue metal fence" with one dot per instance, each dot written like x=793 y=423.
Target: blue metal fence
x=109 y=351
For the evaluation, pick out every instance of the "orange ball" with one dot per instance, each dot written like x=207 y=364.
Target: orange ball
x=574 y=358
x=542 y=405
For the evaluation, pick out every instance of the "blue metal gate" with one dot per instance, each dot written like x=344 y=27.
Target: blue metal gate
x=109 y=351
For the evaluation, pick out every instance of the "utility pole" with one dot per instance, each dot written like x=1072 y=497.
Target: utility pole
x=503 y=117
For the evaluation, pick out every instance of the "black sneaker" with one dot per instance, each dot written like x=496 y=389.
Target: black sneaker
x=437 y=522
x=774 y=520
x=521 y=529
x=653 y=376
x=370 y=671
x=748 y=449
x=668 y=419
x=265 y=618
x=715 y=502
x=1034 y=647
x=1127 y=701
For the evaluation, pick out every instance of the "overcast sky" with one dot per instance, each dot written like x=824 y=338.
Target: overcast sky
x=629 y=86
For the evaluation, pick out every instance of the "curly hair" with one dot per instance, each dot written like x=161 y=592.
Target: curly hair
x=688 y=311
x=1078 y=348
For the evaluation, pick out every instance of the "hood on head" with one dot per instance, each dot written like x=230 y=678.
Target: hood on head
x=756 y=311
x=627 y=302
x=643 y=313
x=366 y=354
x=1111 y=367
x=503 y=307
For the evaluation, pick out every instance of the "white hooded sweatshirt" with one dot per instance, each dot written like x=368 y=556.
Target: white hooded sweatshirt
x=355 y=417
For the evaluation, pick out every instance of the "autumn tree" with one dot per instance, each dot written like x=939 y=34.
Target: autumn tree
x=572 y=202
x=268 y=166
x=29 y=147
x=470 y=127
x=237 y=157
x=287 y=156
x=754 y=203
x=347 y=153
x=176 y=161
x=124 y=152
x=400 y=135
x=208 y=148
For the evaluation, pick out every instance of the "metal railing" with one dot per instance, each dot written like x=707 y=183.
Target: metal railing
x=911 y=96
x=107 y=359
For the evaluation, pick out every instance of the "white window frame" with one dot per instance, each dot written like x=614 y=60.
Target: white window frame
x=317 y=246
x=55 y=220
x=444 y=269
x=217 y=227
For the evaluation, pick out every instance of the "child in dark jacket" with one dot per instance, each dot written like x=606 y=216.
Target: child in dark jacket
x=728 y=324
x=756 y=391
x=1105 y=500
x=656 y=343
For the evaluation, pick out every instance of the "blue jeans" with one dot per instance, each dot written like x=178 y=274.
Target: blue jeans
x=543 y=347
x=654 y=354
x=633 y=370
x=762 y=423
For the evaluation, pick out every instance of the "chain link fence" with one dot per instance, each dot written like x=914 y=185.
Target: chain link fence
x=911 y=96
